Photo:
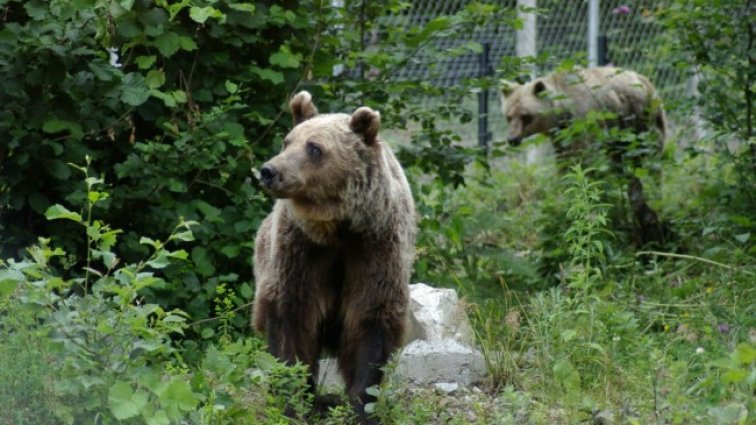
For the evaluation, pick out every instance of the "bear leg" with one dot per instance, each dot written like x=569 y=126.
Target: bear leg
x=290 y=342
x=361 y=360
x=650 y=229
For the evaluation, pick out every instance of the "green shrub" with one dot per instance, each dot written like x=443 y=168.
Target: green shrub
x=91 y=349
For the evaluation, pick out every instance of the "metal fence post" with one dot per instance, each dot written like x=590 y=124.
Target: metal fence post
x=484 y=70
x=603 y=50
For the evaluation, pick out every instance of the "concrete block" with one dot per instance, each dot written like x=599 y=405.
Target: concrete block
x=448 y=361
x=437 y=314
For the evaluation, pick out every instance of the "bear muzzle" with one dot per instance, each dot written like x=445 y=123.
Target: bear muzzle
x=268 y=175
x=279 y=183
x=514 y=141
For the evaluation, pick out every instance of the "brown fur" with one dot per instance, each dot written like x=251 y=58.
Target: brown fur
x=333 y=259
x=553 y=101
x=550 y=103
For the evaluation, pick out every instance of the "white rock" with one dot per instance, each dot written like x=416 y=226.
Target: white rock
x=428 y=362
x=440 y=344
x=329 y=375
x=424 y=363
x=446 y=387
x=437 y=314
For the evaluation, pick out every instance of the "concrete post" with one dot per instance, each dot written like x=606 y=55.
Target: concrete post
x=526 y=36
x=339 y=67
x=593 y=33
x=527 y=47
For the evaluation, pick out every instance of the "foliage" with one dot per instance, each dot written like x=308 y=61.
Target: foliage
x=715 y=41
x=717 y=38
x=176 y=117
x=176 y=101
x=92 y=350
x=588 y=215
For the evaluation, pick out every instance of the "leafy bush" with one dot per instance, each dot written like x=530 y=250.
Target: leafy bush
x=101 y=324
x=177 y=101
x=167 y=100
x=92 y=350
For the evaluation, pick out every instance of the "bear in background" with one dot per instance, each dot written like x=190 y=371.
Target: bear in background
x=630 y=101
x=334 y=257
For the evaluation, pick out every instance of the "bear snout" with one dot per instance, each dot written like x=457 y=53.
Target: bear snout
x=267 y=175
x=514 y=141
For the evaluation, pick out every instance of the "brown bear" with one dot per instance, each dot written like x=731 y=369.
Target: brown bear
x=551 y=103
x=333 y=260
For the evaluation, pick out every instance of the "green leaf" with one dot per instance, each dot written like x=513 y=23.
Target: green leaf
x=56 y=126
x=58 y=211
x=103 y=72
x=730 y=414
x=108 y=258
x=144 y=240
x=155 y=78
x=179 y=96
x=231 y=87
x=285 y=58
x=565 y=373
x=265 y=361
x=179 y=254
x=201 y=14
x=167 y=98
x=144 y=62
x=569 y=335
x=9 y=280
x=168 y=43
x=135 y=90
x=158 y=417
x=125 y=403
x=175 y=8
x=38 y=202
x=744 y=354
x=126 y=4
x=160 y=261
x=185 y=236
x=202 y=261
x=177 y=397
x=743 y=237
x=59 y=169
x=268 y=74
x=231 y=251
x=243 y=7
x=187 y=43
x=245 y=290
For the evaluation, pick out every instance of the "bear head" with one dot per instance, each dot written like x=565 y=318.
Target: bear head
x=322 y=156
x=529 y=109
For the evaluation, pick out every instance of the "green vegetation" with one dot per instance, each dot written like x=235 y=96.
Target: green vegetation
x=129 y=212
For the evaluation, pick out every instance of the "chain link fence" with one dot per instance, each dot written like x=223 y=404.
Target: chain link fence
x=630 y=35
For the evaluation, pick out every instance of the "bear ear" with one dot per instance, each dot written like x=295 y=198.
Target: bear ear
x=508 y=87
x=366 y=123
x=302 y=108
x=539 y=88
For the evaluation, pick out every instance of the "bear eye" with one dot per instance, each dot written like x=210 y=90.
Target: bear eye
x=527 y=119
x=313 y=150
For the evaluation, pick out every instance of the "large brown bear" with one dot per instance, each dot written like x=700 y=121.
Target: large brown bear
x=333 y=259
x=551 y=103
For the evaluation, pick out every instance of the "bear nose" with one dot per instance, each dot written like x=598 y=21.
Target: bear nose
x=267 y=174
x=515 y=141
